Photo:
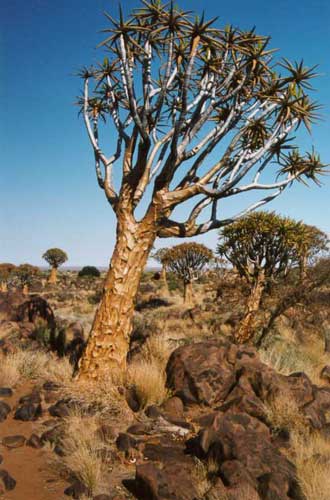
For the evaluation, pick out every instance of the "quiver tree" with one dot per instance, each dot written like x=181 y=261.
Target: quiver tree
x=311 y=244
x=187 y=261
x=200 y=114
x=22 y=276
x=263 y=246
x=6 y=272
x=160 y=256
x=55 y=258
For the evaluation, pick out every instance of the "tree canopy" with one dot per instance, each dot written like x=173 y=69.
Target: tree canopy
x=187 y=260
x=268 y=243
x=55 y=257
x=176 y=88
x=89 y=272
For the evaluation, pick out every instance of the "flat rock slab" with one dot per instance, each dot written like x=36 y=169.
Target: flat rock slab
x=5 y=392
x=12 y=442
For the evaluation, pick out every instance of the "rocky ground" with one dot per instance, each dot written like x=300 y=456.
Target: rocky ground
x=197 y=418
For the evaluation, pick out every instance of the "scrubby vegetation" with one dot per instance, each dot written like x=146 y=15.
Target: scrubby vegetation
x=89 y=272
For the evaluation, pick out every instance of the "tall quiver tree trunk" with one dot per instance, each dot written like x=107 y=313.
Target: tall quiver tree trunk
x=188 y=293
x=246 y=328
x=164 y=281
x=53 y=276
x=303 y=268
x=108 y=341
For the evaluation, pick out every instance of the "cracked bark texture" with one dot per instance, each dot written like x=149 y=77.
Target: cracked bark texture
x=246 y=328
x=107 y=346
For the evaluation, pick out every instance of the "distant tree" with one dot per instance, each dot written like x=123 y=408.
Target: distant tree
x=200 y=114
x=6 y=271
x=160 y=256
x=89 y=272
x=262 y=247
x=55 y=258
x=311 y=244
x=187 y=261
x=22 y=276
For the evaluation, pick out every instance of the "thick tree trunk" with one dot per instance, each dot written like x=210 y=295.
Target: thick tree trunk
x=4 y=287
x=53 y=276
x=25 y=289
x=164 y=281
x=187 y=292
x=245 y=331
x=107 y=346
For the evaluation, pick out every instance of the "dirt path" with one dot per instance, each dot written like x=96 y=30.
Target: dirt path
x=28 y=466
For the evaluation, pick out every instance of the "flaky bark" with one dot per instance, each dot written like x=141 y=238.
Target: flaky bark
x=245 y=331
x=108 y=342
x=187 y=292
x=53 y=276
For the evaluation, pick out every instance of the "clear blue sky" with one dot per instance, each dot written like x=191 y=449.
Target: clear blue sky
x=48 y=193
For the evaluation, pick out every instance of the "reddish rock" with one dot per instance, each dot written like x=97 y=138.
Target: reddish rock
x=173 y=407
x=5 y=392
x=325 y=373
x=12 y=442
x=7 y=480
x=34 y=441
x=28 y=412
x=4 y=410
x=201 y=373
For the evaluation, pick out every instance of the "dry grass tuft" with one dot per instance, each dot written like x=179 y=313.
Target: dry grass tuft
x=283 y=413
x=28 y=364
x=312 y=458
x=157 y=350
x=288 y=357
x=148 y=379
x=82 y=459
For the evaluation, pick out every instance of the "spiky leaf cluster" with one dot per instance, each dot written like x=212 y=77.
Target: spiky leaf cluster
x=176 y=88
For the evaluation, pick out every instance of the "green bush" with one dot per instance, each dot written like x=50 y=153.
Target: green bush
x=89 y=272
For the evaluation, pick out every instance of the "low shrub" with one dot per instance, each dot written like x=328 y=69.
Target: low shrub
x=89 y=272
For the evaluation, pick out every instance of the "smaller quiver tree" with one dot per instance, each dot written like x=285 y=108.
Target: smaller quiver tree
x=22 y=276
x=160 y=256
x=6 y=272
x=55 y=258
x=312 y=243
x=187 y=261
x=262 y=247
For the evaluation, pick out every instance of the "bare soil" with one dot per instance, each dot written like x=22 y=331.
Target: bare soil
x=28 y=466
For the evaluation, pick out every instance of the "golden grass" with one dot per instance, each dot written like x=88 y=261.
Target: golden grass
x=26 y=364
x=288 y=357
x=82 y=459
x=312 y=457
x=157 y=350
x=283 y=413
x=148 y=379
